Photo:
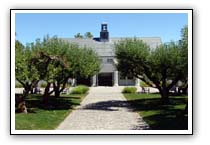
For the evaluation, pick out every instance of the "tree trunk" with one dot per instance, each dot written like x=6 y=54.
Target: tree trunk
x=46 y=94
x=164 y=96
x=20 y=105
x=26 y=91
x=186 y=109
x=185 y=89
x=57 y=87
x=32 y=91
x=57 y=91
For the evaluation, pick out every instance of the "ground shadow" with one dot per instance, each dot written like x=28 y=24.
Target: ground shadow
x=111 y=105
x=162 y=116
x=54 y=103
x=158 y=116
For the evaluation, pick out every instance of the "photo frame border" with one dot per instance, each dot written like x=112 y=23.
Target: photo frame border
x=52 y=132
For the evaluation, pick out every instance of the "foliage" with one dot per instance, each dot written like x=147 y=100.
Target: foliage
x=57 y=60
x=84 y=62
x=43 y=84
x=143 y=84
x=18 y=85
x=81 y=89
x=78 y=35
x=129 y=90
x=154 y=66
x=88 y=35
x=160 y=117
x=183 y=44
x=25 y=73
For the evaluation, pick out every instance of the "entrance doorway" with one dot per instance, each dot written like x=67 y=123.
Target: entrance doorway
x=84 y=81
x=105 y=79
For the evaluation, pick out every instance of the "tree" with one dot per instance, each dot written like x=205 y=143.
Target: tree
x=161 y=67
x=88 y=35
x=25 y=73
x=57 y=61
x=183 y=44
x=50 y=62
x=78 y=35
x=54 y=61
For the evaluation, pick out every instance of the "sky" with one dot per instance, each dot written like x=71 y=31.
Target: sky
x=167 y=26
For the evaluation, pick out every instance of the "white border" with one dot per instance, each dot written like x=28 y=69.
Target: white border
x=189 y=131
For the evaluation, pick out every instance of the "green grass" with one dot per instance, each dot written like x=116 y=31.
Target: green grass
x=160 y=117
x=46 y=117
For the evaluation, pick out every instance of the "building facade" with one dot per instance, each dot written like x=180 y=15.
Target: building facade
x=104 y=47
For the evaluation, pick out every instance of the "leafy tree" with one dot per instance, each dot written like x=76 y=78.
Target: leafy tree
x=88 y=35
x=78 y=35
x=57 y=61
x=54 y=61
x=50 y=61
x=151 y=65
x=25 y=73
x=183 y=44
x=84 y=62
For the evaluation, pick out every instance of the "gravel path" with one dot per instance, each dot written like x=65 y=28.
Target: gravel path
x=104 y=108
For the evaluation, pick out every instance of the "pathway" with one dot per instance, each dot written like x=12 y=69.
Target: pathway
x=104 y=108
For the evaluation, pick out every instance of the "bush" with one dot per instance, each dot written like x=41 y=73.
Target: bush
x=81 y=89
x=43 y=84
x=143 y=84
x=129 y=90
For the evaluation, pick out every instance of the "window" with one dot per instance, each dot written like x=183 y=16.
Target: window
x=127 y=77
x=130 y=77
x=122 y=77
x=109 y=60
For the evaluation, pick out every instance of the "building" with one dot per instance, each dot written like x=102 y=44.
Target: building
x=104 y=47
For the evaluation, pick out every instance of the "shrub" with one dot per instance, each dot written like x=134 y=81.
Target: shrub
x=143 y=84
x=129 y=90
x=43 y=84
x=81 y=89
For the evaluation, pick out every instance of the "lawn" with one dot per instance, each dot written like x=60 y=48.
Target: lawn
x=158 y=116
x=46 y=117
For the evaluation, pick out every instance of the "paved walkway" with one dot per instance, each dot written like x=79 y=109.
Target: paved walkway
x=104 y=108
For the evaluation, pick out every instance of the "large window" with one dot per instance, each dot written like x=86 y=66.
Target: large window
x=109 y=60
x=129 y=77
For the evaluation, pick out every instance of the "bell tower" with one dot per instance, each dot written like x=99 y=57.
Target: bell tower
x=104 y=34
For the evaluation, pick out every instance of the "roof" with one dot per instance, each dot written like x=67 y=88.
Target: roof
x=107 y=48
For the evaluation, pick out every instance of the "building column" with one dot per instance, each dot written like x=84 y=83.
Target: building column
x=116 y=78
x=94 y=81
x=73 y=82
x=137 y=82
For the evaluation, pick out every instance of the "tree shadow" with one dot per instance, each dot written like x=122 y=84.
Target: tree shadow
x=167 y=121
x=158 y=116
x=162 y=116
x=112 y=105
x=55 y=103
